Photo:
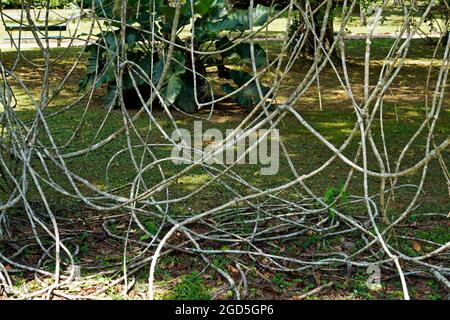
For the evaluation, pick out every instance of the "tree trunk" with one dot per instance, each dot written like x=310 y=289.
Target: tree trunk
x=311 y=46
x=362 y=15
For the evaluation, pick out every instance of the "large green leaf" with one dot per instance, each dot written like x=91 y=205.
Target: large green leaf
x=107 y=75
x=111 y=95
x=248 y=96
x=91 y=69
x=243 y=50
x=173 y=82
x=239 y=19
x=203 y=6
x=240 y=77
x=173 y=88
x=219 y=18
x=144 y=62
x=186 y=99
x=168 y=12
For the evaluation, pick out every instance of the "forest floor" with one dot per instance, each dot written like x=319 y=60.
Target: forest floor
x=404 y=110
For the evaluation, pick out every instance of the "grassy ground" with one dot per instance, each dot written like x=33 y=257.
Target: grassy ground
x=404 y=110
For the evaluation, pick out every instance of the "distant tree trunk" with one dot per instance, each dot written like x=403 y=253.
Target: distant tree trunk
x=328 y=37
x=310 y=46
x=362 y=15
x=446 y=18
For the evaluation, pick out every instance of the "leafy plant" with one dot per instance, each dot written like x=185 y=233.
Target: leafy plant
x=151 y=227
x=279 y=280
x=332 y=195
x=191 y=287
x=215 y=23
x=249 y=95
x=84 y=248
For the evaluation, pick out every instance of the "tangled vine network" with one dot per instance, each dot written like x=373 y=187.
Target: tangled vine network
x=36 y=168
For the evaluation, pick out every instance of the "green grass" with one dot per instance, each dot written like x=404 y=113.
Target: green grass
x=189 y=287
x=334 y=123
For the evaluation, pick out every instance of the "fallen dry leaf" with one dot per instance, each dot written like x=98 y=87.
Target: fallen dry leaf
x=232 y=269
x=416 y=246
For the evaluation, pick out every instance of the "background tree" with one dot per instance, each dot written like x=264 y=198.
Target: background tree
x=322 y=14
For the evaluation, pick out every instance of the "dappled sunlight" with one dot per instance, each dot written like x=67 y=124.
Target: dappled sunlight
x=192 y=182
